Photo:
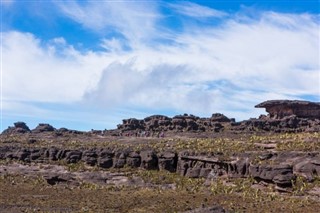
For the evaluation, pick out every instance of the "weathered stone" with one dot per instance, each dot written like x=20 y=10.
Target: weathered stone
x=133 y=160
x=43 y=128
x=90 y=157
x=193 y=172
x=283 y=108
x=105 y=162
x=73 y=156
x=168 y=161
x=149 y=160
x=105 y=159
x=204 y=172
x=309 y=168
x=19 y=127
x=120 y=159
x=282 y=173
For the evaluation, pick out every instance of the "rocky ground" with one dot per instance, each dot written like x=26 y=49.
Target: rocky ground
x=161 y=164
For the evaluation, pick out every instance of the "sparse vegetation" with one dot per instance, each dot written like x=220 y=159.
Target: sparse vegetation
x=162 y=189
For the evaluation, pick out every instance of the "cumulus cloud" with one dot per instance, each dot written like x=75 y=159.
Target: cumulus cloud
x=204 y=69
x=51 y=71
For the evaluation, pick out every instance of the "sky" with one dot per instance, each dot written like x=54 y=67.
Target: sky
x=89 y=64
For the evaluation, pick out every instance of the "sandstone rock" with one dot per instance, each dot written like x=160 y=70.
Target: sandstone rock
x=51 y=153
x=218 y=117
x=133 y=160
x=283 y=108
x=149 y=160
x=281 y=174
x=90 y=157
x=193 y=172
x=43 y=128
x=105 y=162
x=19 y=127
x=120 y=159
x=309 y=168
x=168 y=161
x=73 y=156
x=105 y=159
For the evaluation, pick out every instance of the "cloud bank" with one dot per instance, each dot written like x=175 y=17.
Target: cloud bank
x=146 y=65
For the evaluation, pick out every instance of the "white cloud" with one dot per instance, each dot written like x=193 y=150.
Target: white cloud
x=33 y=70
x=113 y=45
x=135 y=20
x=196 y=10
x=206 y=69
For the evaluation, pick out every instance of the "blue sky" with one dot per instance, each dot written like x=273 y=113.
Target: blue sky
x=89 y=64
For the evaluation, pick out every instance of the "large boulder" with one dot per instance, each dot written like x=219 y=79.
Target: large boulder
x=133 y=160
x=149 y=160
x=105 y=159
x=90 y=157
x=281 y=174
x=168 y=161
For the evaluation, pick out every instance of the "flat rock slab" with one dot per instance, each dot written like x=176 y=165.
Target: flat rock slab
x=55 y=174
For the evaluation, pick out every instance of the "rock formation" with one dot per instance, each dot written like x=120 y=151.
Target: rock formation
x=281 y=108
x=19 y=127
x=282 y=171
x=182 y=123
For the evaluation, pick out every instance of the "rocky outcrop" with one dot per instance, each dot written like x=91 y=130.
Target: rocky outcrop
x=182 y=123
x=279 y=168
x=281 y=108
x=43 y=128
x=19 y=127
x=287 y=124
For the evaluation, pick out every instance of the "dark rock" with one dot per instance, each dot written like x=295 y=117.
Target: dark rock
x=218 y=117
x=32 y=141
x=120 y=159
x=105 y=162
x=51 y=153
x=281 y=174
x=22 y=155
x=168 y=161
x=54 y=179
x=283 y=108
x=43 y=128
x=37 y=154
x=149 y=160
x=90 y=157
x=19 y=127
x=309 y=168
x=133 y=160
x=73 y=156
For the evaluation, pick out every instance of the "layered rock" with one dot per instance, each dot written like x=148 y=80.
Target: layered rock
x=19 y=127
x=43 y=128
x=281 y=108
x=276 y=168
x=182 y=123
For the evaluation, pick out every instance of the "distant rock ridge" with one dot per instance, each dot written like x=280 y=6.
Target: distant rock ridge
x=183 y=122
x=284 y=116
